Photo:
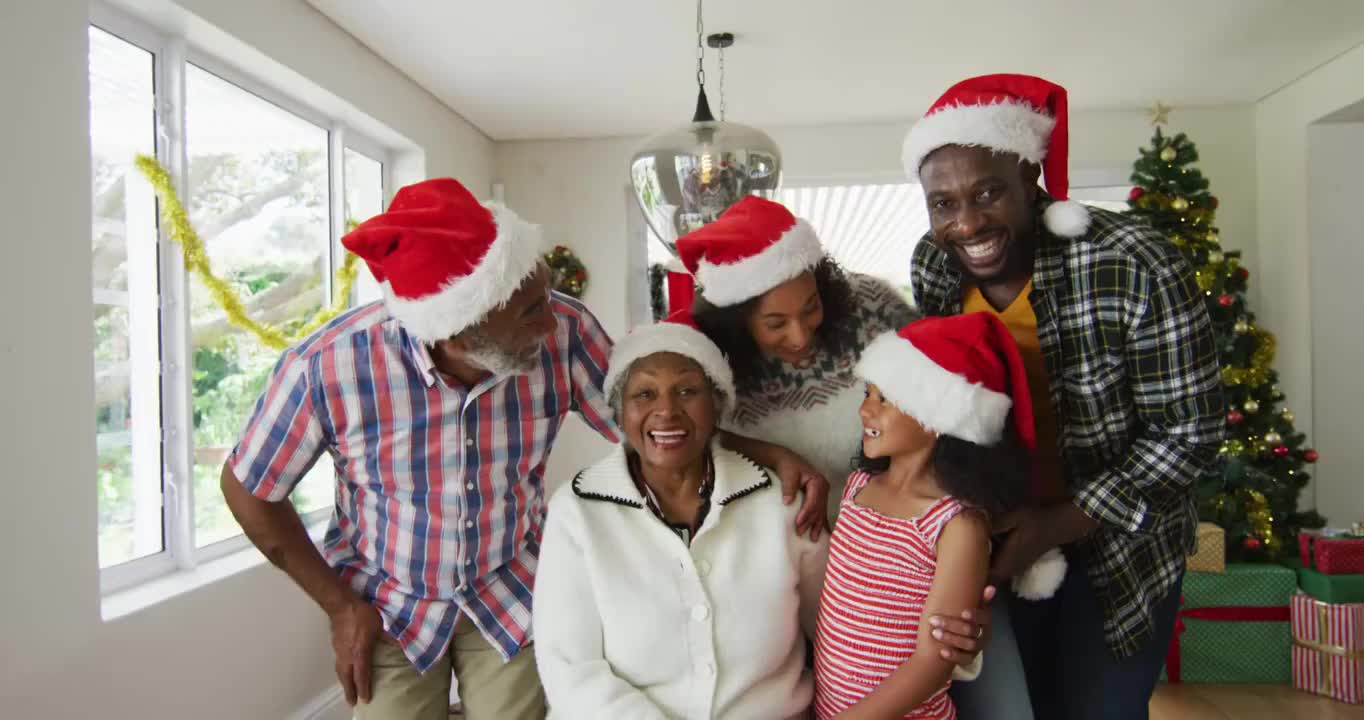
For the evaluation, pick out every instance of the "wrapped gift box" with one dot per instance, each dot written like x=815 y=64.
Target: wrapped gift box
x=1331 y=588
x=1233 y=627
x=1211 y=555
x=1331 y=555
x=1328 y=648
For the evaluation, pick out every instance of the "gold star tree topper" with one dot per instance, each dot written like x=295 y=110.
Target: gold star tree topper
x=1160 y=113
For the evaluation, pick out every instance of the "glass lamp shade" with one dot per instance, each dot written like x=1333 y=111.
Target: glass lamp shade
x=684 y=178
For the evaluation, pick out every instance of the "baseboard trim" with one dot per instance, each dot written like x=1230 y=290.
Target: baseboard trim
x=329 y=705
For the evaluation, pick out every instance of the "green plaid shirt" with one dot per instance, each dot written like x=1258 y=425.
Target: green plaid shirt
x=1137 y=389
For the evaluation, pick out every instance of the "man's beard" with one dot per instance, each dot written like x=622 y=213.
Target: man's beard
x=503 y=363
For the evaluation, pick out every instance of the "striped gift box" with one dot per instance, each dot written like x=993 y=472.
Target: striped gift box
x=1328 y=648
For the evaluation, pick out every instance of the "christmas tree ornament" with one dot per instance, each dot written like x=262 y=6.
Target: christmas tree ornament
x=1213 y=202
x=1234 y=417
x=1136 y=194
x=1242 y=274
x=1310 y=456
x=1214 y=238
x=1281 y=451
x=1251 y=544
x=1169 y=154
x=1251 y=407
x=1273 y=438
x=1179 y=204
x=1241 y=327
x=1216 y=257
x=1226 y=301
x=1287 y=416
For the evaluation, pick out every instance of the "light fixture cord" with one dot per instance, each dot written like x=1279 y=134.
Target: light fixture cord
x=700 y=49
x=722 y=83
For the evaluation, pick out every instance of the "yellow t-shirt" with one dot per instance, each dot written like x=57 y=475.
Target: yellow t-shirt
x=1048 y=483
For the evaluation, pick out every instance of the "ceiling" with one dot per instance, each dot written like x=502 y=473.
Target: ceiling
x=532 y=69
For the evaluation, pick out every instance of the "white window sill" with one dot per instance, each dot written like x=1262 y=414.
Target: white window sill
x=178 y=582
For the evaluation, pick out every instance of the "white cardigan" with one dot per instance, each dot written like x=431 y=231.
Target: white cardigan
x=631 y=623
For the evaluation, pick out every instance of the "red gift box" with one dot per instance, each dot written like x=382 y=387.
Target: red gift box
x=1333 y=556
x=1328 y=648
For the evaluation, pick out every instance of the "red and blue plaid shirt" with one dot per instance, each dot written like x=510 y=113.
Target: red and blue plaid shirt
x=440 y=488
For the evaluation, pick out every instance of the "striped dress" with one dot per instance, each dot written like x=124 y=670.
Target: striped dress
x=880 y=571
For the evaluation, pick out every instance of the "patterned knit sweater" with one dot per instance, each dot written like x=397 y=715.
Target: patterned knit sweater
x=813 y=410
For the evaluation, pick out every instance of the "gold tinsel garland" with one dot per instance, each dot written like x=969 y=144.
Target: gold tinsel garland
x=1261 y=360
x=224 y=294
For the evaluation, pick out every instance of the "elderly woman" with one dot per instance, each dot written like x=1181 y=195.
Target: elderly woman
x=672 y=582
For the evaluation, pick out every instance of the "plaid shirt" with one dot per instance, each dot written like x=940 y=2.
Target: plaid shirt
x=440 y=491
x=1137 y=389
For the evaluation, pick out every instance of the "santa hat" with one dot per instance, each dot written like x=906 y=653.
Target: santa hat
x=751 y=248
x=443 y=259
x=960 y=375
x=1020 y=114
x=676 y=334
x=963 y=376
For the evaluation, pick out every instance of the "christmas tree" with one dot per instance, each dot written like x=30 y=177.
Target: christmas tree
x=1253 y=491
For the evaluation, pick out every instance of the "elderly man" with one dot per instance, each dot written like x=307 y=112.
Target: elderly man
x=438 y=408
x=1114 y=331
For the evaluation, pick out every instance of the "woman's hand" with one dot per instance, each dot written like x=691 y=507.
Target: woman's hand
x=963 y=638
x=797 y=475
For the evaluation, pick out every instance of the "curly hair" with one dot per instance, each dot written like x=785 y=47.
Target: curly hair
x=727 y=327
x=994 y=478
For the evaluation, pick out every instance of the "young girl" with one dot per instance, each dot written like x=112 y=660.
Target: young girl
x=947 y=425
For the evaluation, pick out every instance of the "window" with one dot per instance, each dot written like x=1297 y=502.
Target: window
x=267 y=184
x=364 y=200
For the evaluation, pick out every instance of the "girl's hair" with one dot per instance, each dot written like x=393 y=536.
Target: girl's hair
x=727 y=326
x=994 y=478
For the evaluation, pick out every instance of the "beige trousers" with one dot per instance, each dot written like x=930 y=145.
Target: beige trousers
x=488 y=688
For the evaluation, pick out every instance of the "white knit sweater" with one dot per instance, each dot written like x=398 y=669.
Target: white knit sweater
x=631 y=623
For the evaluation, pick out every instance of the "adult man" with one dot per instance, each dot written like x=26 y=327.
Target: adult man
x=1115 y=333
x=438 y=408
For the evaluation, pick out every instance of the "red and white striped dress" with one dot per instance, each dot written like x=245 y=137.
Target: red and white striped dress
x=880 y=571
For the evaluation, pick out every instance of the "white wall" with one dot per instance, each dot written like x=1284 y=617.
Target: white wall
x=250 y=646
x=1336 y=250
x=1285 y=304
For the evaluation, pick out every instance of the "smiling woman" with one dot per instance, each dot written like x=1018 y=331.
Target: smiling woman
x=674 y=526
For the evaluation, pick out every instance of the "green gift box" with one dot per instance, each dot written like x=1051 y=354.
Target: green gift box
x=1334 y=589
x=1233 y=627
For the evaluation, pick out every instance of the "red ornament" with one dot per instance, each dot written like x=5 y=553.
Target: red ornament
x=1251 y=543
x=1310 y=456
x=580 y=276
x=1212 y=202
x=1281 y=451
x=1226 y=301
x=1135 y=194
x=1242 y=274
x=1235 y=417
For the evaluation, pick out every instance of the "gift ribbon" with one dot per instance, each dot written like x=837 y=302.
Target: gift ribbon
x=1326 y=650
x=1173 y=669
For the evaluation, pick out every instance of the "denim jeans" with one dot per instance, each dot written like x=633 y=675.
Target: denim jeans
x=1071 y=673
x=1000 y=692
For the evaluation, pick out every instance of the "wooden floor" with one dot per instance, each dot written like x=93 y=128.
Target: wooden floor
x=1245 y=702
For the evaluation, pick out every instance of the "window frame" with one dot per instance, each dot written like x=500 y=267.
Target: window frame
x=171 y=56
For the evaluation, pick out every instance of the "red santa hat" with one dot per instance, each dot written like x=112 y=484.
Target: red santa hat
x=678 y=334
x=1020 y=114
x=751 y=248
x=961 y=376
x=443 y=259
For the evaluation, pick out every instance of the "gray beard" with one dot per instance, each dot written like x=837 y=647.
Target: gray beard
x=502 y=363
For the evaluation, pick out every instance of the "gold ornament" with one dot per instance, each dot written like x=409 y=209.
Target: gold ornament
x=1216 y=257
x=1205 y=280
x=1252 y=407
x=1168 y=154
x=1214 y=238
x=1241 y=327
x=222 y=291
x=1179 y=204
x=1288 y=416
x=1273 y=438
